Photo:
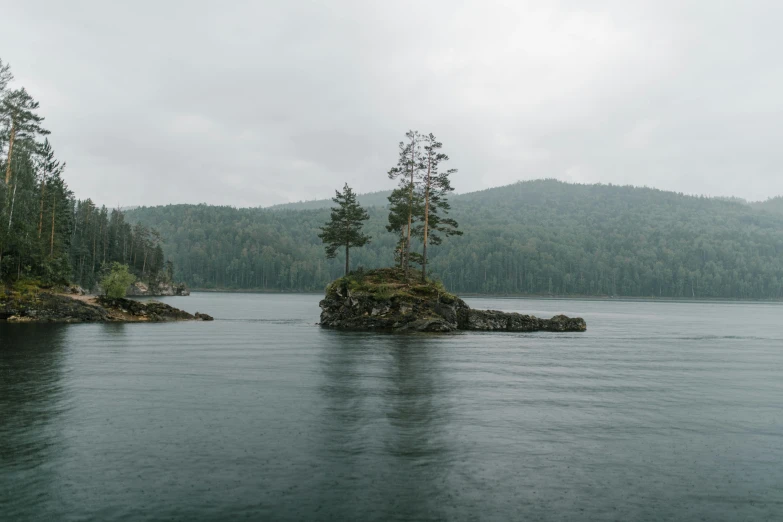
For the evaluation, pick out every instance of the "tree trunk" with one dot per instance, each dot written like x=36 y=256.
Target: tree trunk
x=347 y=264
x=410 y=207
x=13 y=200
x=10 y=153
x=51 y=239
x=40 y=216
x=426 y=218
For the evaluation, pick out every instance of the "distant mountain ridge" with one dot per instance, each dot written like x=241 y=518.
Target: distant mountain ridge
x=532 y=237
x=370 y=199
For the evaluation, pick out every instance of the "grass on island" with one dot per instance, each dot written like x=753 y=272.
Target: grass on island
x=383 y=284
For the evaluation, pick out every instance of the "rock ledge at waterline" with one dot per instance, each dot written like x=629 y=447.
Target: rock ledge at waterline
x=49 y=307
x=384 y=299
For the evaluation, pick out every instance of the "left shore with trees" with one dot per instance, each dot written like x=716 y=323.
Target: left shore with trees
x=46 y=235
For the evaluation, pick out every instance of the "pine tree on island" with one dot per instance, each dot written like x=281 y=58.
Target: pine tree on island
x=405 y=208
x=419 y=205
x=344 y=228
x=435 y=186
x=408 y=171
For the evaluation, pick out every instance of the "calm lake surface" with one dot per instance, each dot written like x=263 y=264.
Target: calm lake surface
x=660 y=411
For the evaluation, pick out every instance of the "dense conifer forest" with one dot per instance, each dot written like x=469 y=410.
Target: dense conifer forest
x=537 y=237
x=46 y=235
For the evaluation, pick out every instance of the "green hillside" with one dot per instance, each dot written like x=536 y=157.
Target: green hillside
x=536 y=237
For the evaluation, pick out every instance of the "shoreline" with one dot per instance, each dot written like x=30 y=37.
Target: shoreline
x=56 y=307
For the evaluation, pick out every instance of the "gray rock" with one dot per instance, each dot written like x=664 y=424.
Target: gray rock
x=347 y=310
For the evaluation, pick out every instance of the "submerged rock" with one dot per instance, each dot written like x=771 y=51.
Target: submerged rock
x=385 y=300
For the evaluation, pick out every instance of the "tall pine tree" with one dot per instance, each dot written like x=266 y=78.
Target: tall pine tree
x=18 y=112
x=408 y=170
x=435 y=187
x=405 y=210
x=344 y=229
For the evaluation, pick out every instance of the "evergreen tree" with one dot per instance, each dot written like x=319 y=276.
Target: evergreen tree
x=17 y=111
x=435 y=187
x=5 y=76
x=344 y=229
x=405 y=210
x=408 y=170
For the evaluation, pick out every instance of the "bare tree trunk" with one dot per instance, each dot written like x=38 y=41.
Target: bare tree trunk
x=40 y=216
x=347 y=263
x=51 y=239
x=13 y=200
x=10 y=153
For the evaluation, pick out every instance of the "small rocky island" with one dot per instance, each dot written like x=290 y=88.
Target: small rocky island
x=385 y=299
x=48 y=306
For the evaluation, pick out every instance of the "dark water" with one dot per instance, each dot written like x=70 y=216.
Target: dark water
x=661 y=411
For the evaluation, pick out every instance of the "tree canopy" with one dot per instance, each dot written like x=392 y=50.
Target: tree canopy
x=344 y=228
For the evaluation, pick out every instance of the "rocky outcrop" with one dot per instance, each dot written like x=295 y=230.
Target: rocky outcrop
x=379 y=300
x=488 y=320
x=129 y=310
x=342 y=308
x=50 y=308
x=45 y=307
x=139 y=289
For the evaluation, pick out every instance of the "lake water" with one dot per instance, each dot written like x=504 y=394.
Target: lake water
x=660 y=411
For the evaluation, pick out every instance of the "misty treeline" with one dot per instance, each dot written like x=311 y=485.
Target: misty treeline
x=45 y=233
x=538 y=237
x=418 y=207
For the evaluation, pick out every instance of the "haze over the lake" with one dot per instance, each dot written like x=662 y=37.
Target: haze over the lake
x=263 y=103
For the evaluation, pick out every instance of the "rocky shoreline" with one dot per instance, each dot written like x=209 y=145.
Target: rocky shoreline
x=382 y=300
x=49 y=307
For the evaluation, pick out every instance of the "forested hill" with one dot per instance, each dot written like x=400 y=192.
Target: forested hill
x=536 y=237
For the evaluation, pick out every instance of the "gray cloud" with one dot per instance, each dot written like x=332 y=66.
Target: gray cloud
x=257 y=103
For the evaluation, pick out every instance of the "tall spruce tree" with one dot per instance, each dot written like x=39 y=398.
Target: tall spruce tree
x=435 y=187
x=344 y=228
x=18 y=112
x=408 y=170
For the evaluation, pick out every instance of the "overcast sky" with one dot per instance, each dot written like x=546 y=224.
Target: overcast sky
x=254 y=103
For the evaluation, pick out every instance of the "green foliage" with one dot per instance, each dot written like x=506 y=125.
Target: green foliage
x=100 y=236
x=27 y=285
x=116 y=280
x=536 y=237
x=344 y=228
